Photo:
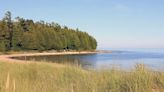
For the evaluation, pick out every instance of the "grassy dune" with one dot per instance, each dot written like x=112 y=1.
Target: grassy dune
x=48 y=77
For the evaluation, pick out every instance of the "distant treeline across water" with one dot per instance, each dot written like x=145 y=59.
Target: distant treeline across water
x=25 y=34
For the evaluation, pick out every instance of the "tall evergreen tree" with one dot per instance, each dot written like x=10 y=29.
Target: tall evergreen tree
x=10 y=27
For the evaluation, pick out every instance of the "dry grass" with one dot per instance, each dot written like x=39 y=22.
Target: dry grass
x=50 y=77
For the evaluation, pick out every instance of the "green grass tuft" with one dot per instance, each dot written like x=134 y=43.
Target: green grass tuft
x=50 y=77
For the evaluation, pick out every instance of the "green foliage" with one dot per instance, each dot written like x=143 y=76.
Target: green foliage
x=2 y=46
x=17 y=36
x=10 y=27
x=24 y=34
x=29 y=41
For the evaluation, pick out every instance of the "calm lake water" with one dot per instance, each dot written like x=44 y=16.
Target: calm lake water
x=123 y=58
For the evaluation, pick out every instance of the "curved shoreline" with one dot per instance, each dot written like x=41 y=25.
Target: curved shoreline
x=11 y=59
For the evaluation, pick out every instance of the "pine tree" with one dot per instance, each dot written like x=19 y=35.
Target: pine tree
x=10 y=27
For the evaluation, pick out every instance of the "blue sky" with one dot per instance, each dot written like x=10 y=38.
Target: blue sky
x=114 y=23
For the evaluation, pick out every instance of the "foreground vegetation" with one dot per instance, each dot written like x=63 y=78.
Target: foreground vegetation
x=26 y=34
x=48 y=77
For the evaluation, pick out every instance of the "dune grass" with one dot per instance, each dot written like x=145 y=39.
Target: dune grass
x=50 y=77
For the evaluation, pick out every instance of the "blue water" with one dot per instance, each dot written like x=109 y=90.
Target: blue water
x=127 y=59
x=120 y=58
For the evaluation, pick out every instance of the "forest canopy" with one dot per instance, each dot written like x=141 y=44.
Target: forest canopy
x=25 y=34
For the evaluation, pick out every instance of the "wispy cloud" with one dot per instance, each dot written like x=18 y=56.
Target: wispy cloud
x=120 y=7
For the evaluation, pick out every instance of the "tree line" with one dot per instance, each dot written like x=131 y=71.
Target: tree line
x=25 y=34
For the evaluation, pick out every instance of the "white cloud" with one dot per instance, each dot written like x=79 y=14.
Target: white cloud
x=121 y=8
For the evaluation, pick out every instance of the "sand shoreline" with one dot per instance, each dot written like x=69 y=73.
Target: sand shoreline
x=9 y=57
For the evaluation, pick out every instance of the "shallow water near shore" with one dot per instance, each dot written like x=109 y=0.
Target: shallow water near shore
x=122 y=59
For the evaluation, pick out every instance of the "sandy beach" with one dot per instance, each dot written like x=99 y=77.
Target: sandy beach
x=10 y=59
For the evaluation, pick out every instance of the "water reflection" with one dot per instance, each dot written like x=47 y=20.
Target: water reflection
x=121 y=59
x=87 y=61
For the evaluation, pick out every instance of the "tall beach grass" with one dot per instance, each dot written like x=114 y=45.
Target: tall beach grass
x=51 y=77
